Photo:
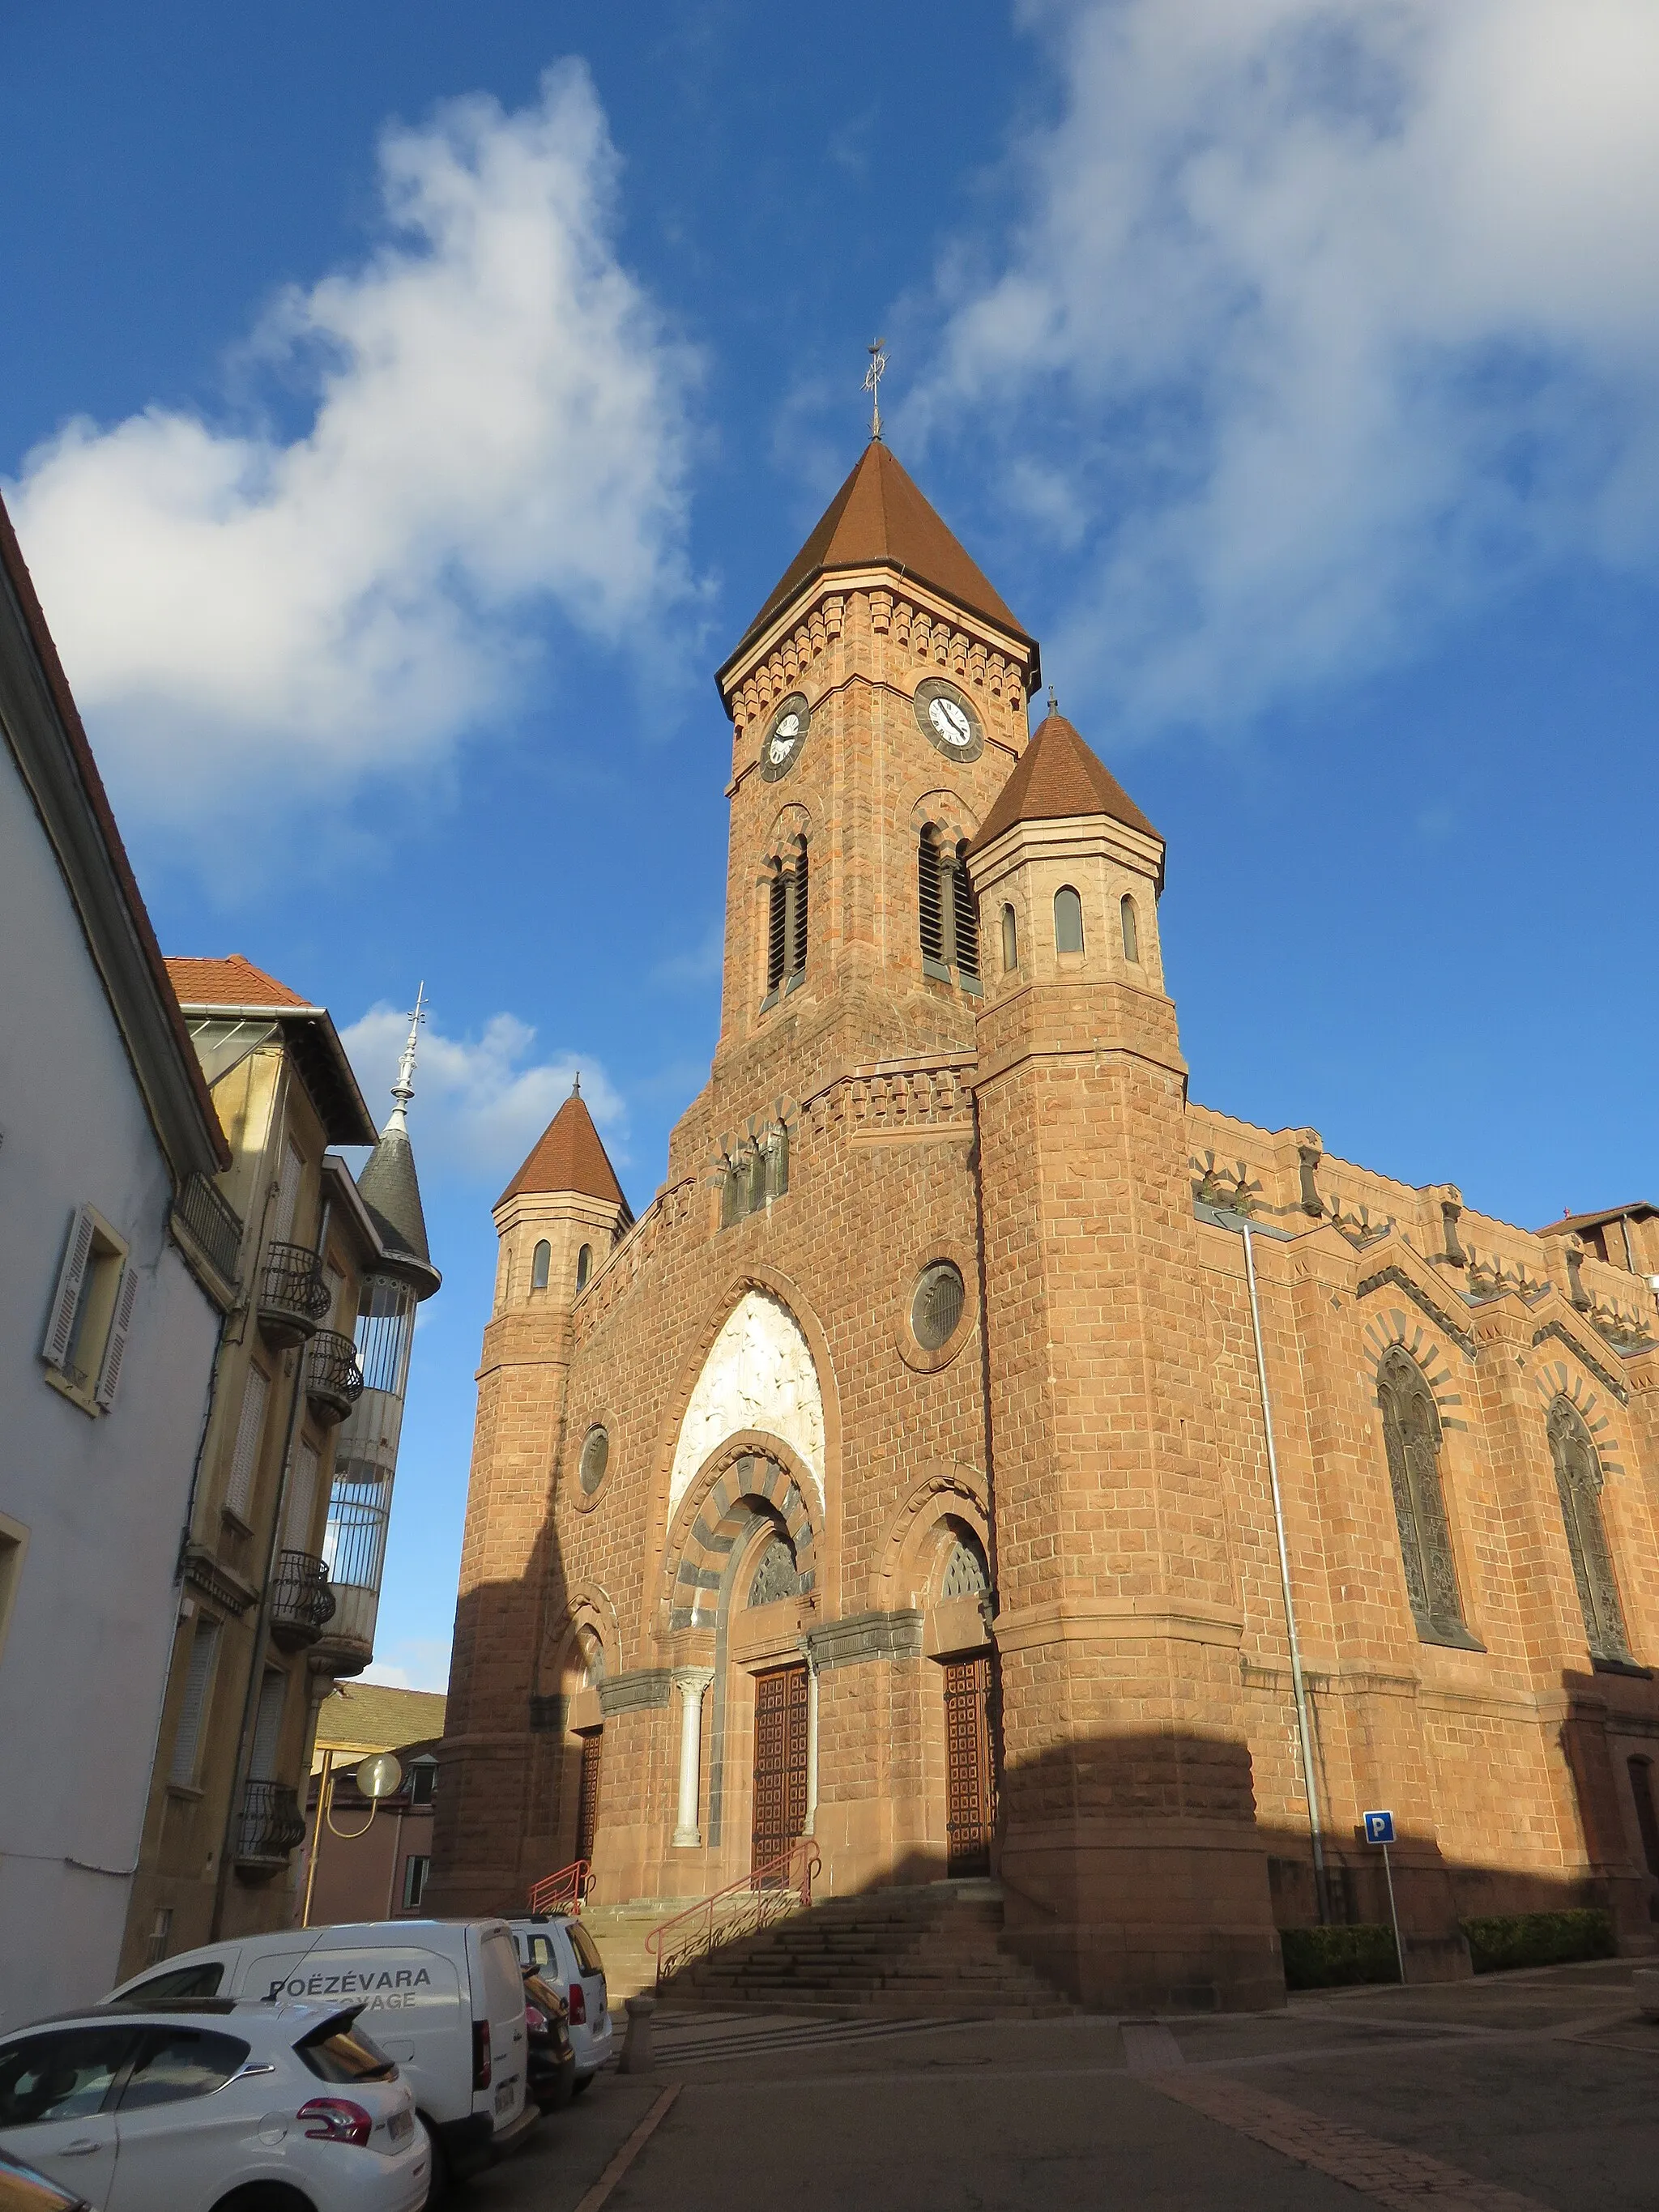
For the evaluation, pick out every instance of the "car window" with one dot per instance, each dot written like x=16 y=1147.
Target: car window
x=181 y=2061
x=200 y=1980
x=586 y=1950
x=540 y=1949
x=62 y=2074
x=340 y=2050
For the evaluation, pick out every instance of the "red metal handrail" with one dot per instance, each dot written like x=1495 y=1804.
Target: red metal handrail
x=701 y=1928
x=563 y=1892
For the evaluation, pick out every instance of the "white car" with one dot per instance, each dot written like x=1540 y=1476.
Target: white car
x=565 y=1955
x=183 y=2108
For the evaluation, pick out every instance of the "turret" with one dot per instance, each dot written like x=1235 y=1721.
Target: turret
x=559 y=1216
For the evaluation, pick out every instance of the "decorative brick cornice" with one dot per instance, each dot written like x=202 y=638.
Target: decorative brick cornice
x=642 y=1690
x=862 y=1637
x=1400 y=1280
x=1609 y=1380
x=227 y=1591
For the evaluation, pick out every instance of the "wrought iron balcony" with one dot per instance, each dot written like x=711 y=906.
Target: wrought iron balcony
x=334 y=1382
x=293 y=1296
x=271 y=1827
x=209 y=1222
x=302 y=1603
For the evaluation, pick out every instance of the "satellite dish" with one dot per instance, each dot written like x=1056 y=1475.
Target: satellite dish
x=380 y=1776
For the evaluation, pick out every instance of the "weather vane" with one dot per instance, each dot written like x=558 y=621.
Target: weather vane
x=873 y=377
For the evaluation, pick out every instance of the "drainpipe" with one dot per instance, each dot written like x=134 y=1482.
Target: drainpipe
x=1298 y=1686
x=256 y=1672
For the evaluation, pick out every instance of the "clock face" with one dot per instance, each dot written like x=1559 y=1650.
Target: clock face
x=785 y=736
x=948 y=720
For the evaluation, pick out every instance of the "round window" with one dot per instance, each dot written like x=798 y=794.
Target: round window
x=596 y=1457
x=936 y=1306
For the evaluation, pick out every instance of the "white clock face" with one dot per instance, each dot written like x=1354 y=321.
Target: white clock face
x=952 y=724
x=780 y=747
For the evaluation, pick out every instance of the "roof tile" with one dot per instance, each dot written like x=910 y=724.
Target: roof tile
x=1056 y=777
x=231 y=981
x=569 y=1156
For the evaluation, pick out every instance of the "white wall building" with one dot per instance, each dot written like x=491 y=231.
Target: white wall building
x=108 y=1333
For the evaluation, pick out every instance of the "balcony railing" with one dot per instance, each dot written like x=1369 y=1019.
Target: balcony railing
x=334 y=1382
x=302 y=1603
x=207 y=1216
x=271 y=1827
x=293 y=1296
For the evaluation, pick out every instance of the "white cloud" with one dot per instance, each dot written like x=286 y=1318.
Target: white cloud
x=1322 y=316
x=499 y=430
x=480 y=1103
x=416 y=1663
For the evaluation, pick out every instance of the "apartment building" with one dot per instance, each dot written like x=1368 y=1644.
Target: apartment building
x=323 y=1274
x=109 y=1317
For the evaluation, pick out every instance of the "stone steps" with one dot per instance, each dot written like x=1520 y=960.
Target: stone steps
x=933 y=1949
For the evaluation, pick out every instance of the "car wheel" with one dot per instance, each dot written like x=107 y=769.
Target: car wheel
x=265 y=2197
x=583 y=2081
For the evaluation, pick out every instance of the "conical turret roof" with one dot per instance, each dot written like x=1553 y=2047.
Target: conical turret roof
x=568 y=1155
x=879 y=518
x=1056 y=777
x=390 y=1190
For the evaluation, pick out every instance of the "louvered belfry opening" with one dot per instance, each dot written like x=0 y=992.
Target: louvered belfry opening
x=786 y=923
x=967 y=918
x=949 y=917
x=777 y=943
x=932 y=906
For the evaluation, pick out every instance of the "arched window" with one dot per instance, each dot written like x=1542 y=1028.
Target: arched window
x=785 y=924
x=540 y=1260
x=966 y=1574
x=1068 y=920
x=1578 y=1481
x=1410 y=1432
x=1131 y=930
x=1647 y=1815
x=584 y=1266
x=948 y=915
x=1010 y=941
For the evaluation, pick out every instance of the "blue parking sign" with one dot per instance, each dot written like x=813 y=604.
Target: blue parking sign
x=1379 y=1828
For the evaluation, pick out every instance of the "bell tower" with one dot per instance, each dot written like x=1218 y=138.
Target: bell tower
x=878 y=704
x=1135 y=1870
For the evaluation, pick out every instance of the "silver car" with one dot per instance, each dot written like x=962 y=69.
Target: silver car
x=563 y=1954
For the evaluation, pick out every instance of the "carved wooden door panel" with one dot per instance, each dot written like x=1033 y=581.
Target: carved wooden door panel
x=970 y=1801
x=588 y=1800
x=779 y=1762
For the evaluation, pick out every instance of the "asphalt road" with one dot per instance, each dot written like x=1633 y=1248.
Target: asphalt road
x=1514 y=2092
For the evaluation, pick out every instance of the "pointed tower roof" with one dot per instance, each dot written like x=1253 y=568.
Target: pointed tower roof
x=569 y=1156
x=388 y=1185
x=1058 y=776
x=879 y=520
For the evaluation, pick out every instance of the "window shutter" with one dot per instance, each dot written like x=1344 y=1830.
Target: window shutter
x=66 y=1298
x=115 y=1350
x=288 y=1191
x=268 y=1726
x=198 y=1683
x=301 y=1498
x=245 y=1460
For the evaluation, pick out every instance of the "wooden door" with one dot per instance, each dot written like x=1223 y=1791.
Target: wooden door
x=971 y=1795
x=779 y=1762
x=588 y=1800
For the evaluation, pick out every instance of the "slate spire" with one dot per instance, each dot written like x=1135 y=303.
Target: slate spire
x=388 y=1184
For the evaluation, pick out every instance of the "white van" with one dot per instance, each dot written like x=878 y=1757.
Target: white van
x=445 y=1998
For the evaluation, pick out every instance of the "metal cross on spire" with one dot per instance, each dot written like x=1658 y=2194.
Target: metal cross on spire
x=873 y=377
x=404 y=1089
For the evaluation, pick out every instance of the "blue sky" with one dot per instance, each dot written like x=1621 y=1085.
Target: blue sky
x=404 y=408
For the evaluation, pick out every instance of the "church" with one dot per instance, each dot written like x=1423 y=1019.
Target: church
x=984 y=1460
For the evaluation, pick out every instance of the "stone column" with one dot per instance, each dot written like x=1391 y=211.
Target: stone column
x=690 y=1682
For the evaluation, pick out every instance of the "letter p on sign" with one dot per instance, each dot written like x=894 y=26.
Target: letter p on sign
x=1379 y=1828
